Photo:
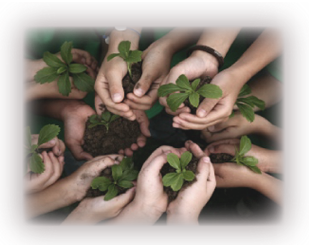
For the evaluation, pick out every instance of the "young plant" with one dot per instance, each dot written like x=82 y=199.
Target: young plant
x=47 y=133
x=175 y=180
x=104 y=119
x=62 y=70
x=122 y=176
x=129 y=56
x=188 y=90
x=240 y=159
x=246 y=104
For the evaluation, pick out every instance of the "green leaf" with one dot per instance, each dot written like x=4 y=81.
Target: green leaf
x=245 y=90
x=61 y=70
x=114 y=117
x=66 y=52
x=46 y=75
x=175 y=100
x=166 y=89
x=106 y=116
x=232 y=114
x=28 y=137
x=36 y=164
x=255 y=169
x=47 y=133
x=169 y=178
x=134 y=56
x=64 y=84
x=245 y=145
x=177 y=182
x=185 y=159
x=188 y=175
x=173 y=160
x=112 y=192
x=77 y=68
x=102 y=183
x=130 y=174
x=210 y=91
x=195 y=83
x=194 y=99
x=83 y=82
x=255 y=102
x=93 y=119
x=52 y=60
x=126 y=163
x=111 y=56
x=124 y=48
x=116 y=172
x=126 y=184
x=33 y=148
x=246 y=111
x=249 y=161
x=183 y=82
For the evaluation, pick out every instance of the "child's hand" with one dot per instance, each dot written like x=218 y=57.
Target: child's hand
x=57 y=146
x=268 y=160
x=199 y=64
x=190 y=201
x=156 y=65
x=235 y=127
x=212 y=111
x=94 y=210
x=53 y=170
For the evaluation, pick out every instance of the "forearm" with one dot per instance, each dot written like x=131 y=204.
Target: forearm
x=136 y=214
x=267 y=129
x=264 y=50
x=127 y=35
x=54 y=197
x=187 y=218
x=269 y=186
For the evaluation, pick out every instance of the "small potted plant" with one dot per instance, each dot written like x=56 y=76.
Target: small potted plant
x=62 y=70
x=114 y=180
x=191 y=93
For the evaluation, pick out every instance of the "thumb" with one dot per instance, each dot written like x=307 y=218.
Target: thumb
x=203 y=169
x=206 y=106
x=143 y=85
x=123 y=199
x=50 y=143
x=115 y=86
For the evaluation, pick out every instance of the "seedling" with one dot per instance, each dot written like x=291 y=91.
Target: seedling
x=122 y=176
x=104 y=119
x=175 y=180
x=129 y=56
x=240 y=159
x=62 y=70
x=188 y=90
x=47 y=133
x=246 y=104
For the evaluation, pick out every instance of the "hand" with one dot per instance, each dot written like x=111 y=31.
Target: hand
x=235 y=127
x=187 y=207
x=74 y=115
x=212 y=111
x=141 y=140
x=57 y=146
x=268 y=160
x=155 y=67
x=79 y=182
x=94 y=210
x=199 y=64
x=53 y=170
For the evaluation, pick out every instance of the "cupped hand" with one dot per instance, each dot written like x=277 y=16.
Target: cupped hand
x=57 y=146
x=53 y=170
x=212 y=111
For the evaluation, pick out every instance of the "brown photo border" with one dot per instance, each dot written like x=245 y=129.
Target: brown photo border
x=292 y=17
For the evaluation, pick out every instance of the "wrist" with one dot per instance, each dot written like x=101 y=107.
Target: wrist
x=176 y=217
x=145 y=213
x=118 y=36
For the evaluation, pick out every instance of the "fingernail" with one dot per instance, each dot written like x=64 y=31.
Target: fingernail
x=117 y=97
x=206 y=159
x=202 y=113
x=53 y=141
x=138 y=92
x=211 y=128
x=175 y=125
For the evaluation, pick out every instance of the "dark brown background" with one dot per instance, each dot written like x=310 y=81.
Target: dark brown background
x=291 y=16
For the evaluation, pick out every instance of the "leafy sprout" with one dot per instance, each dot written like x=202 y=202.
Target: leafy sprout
x=249 y=161
x=175 y=180
x=104 y=119
x=129 y=56
x=122 y=176
x=187 y=90
x=62 y=70
x=46 y=134
x=247 y=104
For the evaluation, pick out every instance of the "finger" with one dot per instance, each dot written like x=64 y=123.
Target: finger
x=134 y=147
x=159 y=151
x=142 y=119
x=136 y=106
x=57 y=170
x=228 y=149
x=153 y=168
x=176 y=125
x=49 y=168
x=178 y=111
x=56 y=149
x=145 y=100
x=128 y=152
x=141 y=141
x=123 y=199
x=143 y=85
x=78 y=152
x=220 y=126
x=226 y=141
x=198 y=125
x=203 y=169
x=195 y=149
x=49 y=144
x=206 y=106
x=225 y=134
x=115 y=86
x=95 y=167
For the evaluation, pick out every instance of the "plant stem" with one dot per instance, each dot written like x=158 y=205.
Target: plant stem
x=129 y=69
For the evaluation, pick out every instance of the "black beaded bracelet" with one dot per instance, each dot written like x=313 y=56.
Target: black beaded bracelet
x=209 y=50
